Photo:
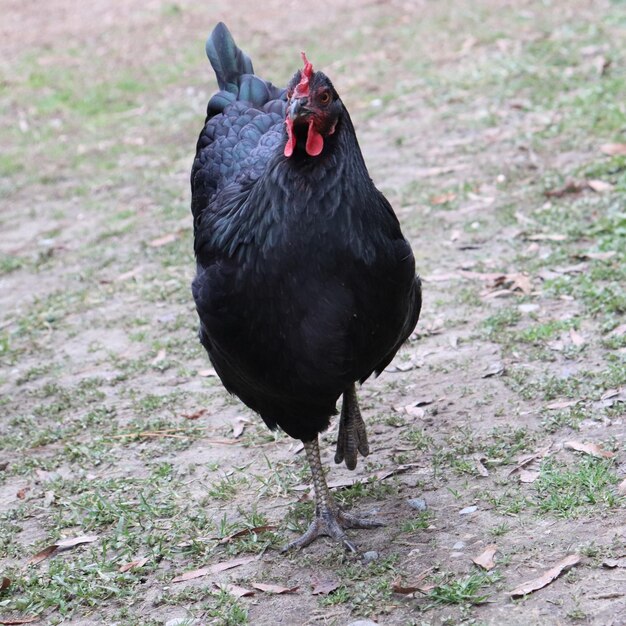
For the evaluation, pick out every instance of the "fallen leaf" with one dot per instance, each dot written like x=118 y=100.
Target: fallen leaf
x=195 y=415
x=600 y=186
x=5 y=582
x=239 y=424
x=126 y=275
x=133 y=565
x=247 y=531
x=527 y=459
x=164 y=240
x=234 y=590
x=213 y=569
x=561 y=404
x=611 y=563
x=570 y=186
x=621 y=488
x=495 y=369
x=3 y=465
x=399 y=469
x=468 y=510
x=547 y=237
x=589 y=448
x=577 y=339
x=159 y=357
x=612 y=396
x=480 y=468
x=443 y=198
x=19 y=620
x=485 y=560
x=59 y=546
x=546 y=578
x=21 y=494
x=528 y=476
x=207 y=372
x=614 y=149
x=324 y=587
x=620 y=331
x=274 y=588
x=597 y=256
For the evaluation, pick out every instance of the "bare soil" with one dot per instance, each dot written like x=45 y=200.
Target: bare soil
x=101 y=366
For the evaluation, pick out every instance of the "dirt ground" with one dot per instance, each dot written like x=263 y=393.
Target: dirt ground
x=489 y=127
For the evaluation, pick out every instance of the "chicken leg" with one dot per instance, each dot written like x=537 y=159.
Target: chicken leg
x=352 y=436
x=329 y=520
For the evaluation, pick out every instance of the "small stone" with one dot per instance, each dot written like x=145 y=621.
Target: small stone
x=468 y=509
x=363 y=622
x=419 y=504
x=459 y=545
x=370 y=556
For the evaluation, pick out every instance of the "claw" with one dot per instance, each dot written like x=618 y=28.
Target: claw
x=352 y=436
x=329 y=520
x=332 y=524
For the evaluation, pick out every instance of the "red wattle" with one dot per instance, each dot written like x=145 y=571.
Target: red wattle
x=291 y=140
x=314 y=141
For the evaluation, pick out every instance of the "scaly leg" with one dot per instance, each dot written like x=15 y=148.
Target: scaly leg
x=329 y=520
x=352 y=436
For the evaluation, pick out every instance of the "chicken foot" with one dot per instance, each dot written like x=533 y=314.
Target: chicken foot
x=352 y=436
x=329 y=520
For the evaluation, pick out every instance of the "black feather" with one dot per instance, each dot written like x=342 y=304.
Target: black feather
x=305 y=283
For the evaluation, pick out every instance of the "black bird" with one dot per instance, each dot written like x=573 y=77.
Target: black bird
x=305 y=284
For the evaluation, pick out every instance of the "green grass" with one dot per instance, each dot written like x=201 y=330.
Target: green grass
x=564 y=491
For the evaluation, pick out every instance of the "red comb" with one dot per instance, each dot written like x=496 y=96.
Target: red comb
x=302 y=88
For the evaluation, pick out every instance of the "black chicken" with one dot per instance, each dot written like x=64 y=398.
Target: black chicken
x=305 y=284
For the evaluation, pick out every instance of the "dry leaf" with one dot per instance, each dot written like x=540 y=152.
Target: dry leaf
x=5 y=582
x=239 y=424
x=324 y=587
x=528 y=476
x=547 y=237
x=589 y=448
x=126 y=275
x=247 y=531
x=619 y=331
x=485 y=560
x=133 y=565
x=59 y=546
x=561 y=404
x=207 y=372
x=443 y=198
x=597 y=256
x=480 y=468
x=611 y=563
x=546 y=578
x=21 y=494
x=600 y=186
x=610 y=397
x=234 y=590
x=614 y=149
x=18 y=620
x=621 y=488
x=213 y=569
x=495 y=369
x=577 y=339
x=274 y=588
x=164 y=240
x=527 y=459
x=195 y=415
x=570 y=186
x=159 y=357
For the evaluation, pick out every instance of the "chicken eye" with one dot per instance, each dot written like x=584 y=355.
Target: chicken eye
x=324 y=97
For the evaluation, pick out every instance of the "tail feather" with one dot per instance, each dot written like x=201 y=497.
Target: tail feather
x=228 y=61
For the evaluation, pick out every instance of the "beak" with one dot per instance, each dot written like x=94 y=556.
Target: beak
x=298 y=109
